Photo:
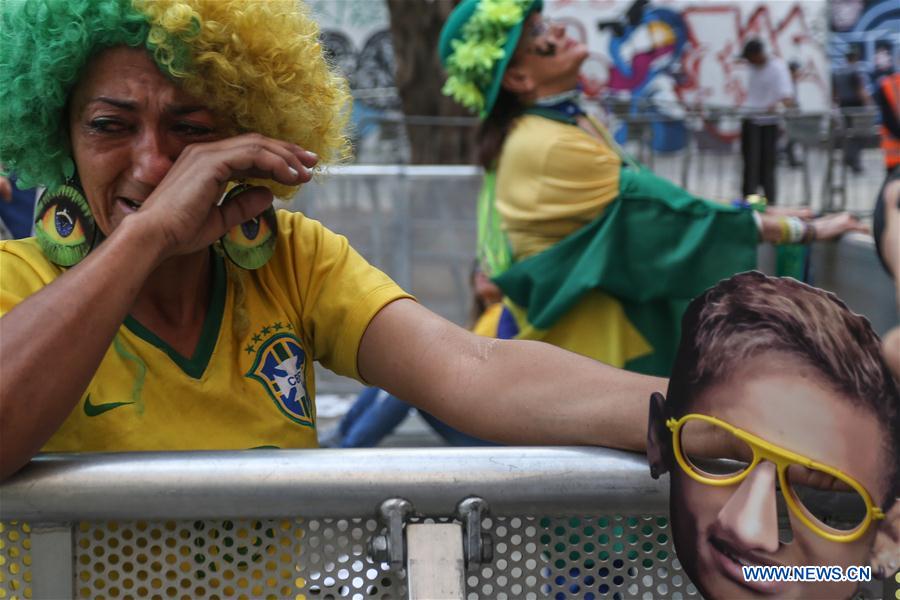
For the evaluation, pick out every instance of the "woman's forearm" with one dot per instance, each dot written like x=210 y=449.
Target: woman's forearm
x=53 y=341
x=511 y=391
x=558 y=397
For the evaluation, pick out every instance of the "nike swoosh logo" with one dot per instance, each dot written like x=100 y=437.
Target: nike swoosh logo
x=93 y=410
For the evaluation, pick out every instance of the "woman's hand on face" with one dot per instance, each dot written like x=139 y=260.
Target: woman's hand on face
x=184 y=206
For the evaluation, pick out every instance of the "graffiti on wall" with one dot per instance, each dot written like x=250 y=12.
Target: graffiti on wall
x=667 y=56
x=646 y=45
x=357 y=39
x=654 y=56
x=871 y=30
x=369 y=68
x=350 y=16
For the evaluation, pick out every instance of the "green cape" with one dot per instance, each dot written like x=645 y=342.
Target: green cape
x=654 y=249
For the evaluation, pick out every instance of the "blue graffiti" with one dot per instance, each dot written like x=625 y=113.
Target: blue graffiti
x=642 y=73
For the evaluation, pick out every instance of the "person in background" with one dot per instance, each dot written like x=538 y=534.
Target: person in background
x=790 y=146
x=882 y=60
x=887 y=98
x=886 y=229
x=16 y=208
x=886 y=220
x=375 y=413
x=594 y=253
x=849 y=89
x=769 y=91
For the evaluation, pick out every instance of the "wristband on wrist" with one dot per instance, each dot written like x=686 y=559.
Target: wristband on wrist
x=794 y=230
x=798 y=230
x=785 y=230
x=809 y=235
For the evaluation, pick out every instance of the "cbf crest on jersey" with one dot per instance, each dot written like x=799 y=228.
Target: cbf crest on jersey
x=279 y=368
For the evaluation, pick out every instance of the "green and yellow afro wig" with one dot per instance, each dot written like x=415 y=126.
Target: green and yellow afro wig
x=256 y=63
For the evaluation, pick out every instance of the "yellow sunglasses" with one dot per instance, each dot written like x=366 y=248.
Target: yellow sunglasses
x=714 y=452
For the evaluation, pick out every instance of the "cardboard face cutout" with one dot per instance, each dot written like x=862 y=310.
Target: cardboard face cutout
x=780 y=434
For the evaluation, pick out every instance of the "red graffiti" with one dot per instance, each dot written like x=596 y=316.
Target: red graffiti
x=790 y=38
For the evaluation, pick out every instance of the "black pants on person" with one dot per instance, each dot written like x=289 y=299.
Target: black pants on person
x=759 y=150
x=852 y=148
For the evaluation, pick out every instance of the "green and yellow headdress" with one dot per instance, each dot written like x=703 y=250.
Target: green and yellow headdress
x=477 y=42
x=257 y=64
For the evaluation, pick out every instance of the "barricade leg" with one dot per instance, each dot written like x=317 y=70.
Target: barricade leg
x=435 y=567
x=52 y=555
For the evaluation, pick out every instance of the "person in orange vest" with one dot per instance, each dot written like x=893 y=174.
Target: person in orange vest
x=887 y=97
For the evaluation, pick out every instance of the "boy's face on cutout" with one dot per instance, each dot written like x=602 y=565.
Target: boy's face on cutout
x=785 y=401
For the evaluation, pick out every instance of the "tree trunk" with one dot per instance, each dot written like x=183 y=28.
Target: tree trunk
x=419 y=77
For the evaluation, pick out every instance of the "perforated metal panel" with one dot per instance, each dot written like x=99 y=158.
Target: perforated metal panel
x=611 y=557
x=230 y=559
x=578 y=557
x=336 y=566
x=201 y=559
x=15 y=560
x=514 y=573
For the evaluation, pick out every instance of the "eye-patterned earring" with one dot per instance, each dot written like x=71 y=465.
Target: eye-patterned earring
x=64 y=225
x=251 y=244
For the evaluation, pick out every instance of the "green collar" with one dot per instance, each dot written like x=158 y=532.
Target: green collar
x=549 y=113
x=195 y=365
x=561 y=117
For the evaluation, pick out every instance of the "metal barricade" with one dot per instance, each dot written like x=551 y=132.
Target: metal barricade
x=707 y=145
x=810 y=131
x=521 y=523
x=417 y=223
x=848 y=127
x=494 y=523
x=386 y=138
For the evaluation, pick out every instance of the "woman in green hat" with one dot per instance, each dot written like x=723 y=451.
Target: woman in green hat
x=596 y=254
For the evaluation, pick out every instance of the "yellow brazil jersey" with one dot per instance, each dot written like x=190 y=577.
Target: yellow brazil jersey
x=250 y=382
x=552 y=179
